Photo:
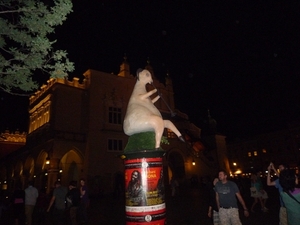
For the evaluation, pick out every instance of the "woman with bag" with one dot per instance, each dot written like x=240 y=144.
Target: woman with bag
x=255 y=190
x=290 y=195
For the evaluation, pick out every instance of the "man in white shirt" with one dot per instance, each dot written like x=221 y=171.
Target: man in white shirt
x=31 y=194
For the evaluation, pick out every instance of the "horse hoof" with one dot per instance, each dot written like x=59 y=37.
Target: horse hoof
x=181 y=138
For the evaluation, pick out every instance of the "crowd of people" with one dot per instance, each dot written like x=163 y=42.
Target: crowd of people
x=226 y=205
x=224 y=194
x=65 y=205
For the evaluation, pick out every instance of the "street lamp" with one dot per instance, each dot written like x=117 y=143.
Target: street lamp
x=193 y=162
x=47 y=160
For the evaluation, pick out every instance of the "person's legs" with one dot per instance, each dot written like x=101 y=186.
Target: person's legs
x=282 y=216
x=216 y=219
x=234 y=216
x=224 y=218
x=254 y=203
x=263 y=208
x=73 y=215
x=83 y=212
x=28 y=214
x=58 y=216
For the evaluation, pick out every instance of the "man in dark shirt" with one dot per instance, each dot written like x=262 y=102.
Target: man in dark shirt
x=73 y=201
x=58 y=199
x=227 y=194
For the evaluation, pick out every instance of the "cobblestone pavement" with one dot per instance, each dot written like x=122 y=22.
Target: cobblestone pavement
x=189 y=207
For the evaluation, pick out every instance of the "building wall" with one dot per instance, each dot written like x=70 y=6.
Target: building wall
x=255 y=153
x=69 y=124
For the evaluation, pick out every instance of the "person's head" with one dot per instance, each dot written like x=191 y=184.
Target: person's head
x=223 y=176
x=82 y=182
x=135 y=176
x=72 y=184
x=57 y=183
x=288 y=180
x=253 y=177
x=282 y=166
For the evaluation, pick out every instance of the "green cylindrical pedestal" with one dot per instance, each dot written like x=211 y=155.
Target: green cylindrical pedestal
x=144 y=188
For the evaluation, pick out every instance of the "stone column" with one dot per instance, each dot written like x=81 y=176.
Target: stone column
x=52 y=171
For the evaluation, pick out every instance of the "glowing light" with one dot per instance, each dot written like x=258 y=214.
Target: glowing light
x=47 y=161
x=193 y=162
x=238 y=171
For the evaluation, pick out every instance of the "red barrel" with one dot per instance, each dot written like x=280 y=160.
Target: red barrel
x=145 y=191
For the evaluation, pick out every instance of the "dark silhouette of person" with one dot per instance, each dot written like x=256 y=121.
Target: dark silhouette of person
x=18 y=203
x=119 y=185
x=135 y=190
x=42 y=203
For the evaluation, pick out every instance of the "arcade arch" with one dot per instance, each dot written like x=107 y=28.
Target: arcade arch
x=71 y=166
x=176 y=167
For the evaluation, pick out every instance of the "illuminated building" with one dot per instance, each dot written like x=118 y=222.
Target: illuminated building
x=255 y=153
x=75 y=130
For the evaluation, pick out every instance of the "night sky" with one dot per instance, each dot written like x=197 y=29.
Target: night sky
x=239 y=59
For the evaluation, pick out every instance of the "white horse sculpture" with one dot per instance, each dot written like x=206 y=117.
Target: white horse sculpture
x=142 y=115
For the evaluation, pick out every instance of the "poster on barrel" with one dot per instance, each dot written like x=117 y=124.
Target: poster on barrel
x=145 y=191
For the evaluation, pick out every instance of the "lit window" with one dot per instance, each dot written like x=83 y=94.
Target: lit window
x=264 y=150
x=115 y=115
x=249 y=154
x=115 y=145
x=171 y=134
x=255 y=153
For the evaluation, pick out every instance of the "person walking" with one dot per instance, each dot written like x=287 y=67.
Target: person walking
x=257 y=193
x=73 y=201
x=41 y=206
x=174 y=186
x=213 y=211
x=31 y=194
x=58 y=197
x=227 y=194
x=263 y=193
x=290 y=196
x=18 y=204
x=282 y=210
x=85 y=201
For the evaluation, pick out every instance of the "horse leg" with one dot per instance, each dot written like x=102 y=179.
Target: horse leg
x=158 y=126
x=168 y=124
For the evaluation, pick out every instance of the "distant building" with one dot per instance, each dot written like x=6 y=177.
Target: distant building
x=255 y=153
x=76 y=131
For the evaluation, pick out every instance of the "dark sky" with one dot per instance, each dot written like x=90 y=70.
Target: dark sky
x=240 y=59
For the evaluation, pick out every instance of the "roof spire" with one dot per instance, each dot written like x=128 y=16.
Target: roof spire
x=124 y=68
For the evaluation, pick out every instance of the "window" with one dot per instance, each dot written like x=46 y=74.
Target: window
x=249 y=154
x=264 y=150
x=115 y=145
x=115 y=115
x=255 y=153
x=171 y=134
